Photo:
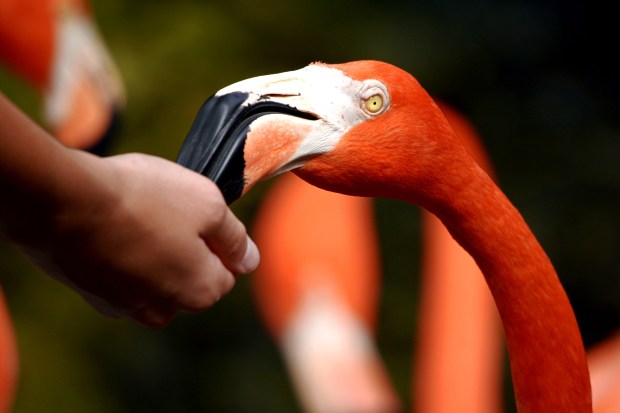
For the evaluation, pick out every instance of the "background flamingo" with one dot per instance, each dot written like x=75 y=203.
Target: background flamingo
x=318 y=294
x=56 y=46
x=604 y=362
x=459 y=347
x=8 y=358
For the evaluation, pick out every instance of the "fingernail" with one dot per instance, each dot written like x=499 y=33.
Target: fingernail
x=251 y=258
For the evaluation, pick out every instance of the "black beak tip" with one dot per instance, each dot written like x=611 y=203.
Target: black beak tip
x=214 y=145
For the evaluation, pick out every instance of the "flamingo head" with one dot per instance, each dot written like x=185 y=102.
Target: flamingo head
x=361 y=128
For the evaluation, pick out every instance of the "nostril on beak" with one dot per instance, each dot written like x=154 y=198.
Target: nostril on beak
x=278 y=95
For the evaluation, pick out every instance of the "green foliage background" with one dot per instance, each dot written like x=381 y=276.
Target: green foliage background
x=537 y=78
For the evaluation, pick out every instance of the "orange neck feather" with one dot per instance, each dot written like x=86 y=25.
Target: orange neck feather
x=547 y=358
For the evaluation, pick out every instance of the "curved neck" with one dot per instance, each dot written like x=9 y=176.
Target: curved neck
x=547 y=357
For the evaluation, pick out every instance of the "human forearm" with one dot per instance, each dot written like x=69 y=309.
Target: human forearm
x=38 y=177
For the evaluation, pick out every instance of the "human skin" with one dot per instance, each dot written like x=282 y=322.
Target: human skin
x=135 y=235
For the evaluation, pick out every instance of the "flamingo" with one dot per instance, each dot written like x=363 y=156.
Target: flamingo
x=317 y=291
x=56 y=46
x=459 y=349
x=9 y=365
x=368 y=128
x=604 y=362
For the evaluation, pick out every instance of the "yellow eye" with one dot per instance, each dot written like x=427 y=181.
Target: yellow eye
x=374 y=103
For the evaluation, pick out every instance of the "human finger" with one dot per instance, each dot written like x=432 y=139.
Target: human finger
x=212 y=282
x=230 y=242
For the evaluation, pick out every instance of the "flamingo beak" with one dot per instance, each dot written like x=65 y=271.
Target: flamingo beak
x=267 y=125
x=216 y=145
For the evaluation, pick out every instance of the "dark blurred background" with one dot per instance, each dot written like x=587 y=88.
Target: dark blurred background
x=538 y=79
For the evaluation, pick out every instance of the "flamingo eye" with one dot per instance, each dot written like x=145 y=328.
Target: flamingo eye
x=374 y=104
x=374 y=98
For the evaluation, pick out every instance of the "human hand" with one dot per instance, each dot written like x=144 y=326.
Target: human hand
x=145 y=238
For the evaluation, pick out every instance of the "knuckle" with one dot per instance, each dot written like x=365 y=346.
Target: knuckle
x=238 y=243
x=210 y=292
x=217 y=215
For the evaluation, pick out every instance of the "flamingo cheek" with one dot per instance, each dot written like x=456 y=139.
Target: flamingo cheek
x=270 y=144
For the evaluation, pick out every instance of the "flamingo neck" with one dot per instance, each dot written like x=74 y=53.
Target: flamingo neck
x=546 y=353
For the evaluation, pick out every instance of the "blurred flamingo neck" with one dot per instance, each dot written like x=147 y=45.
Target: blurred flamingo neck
x=547 y=357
